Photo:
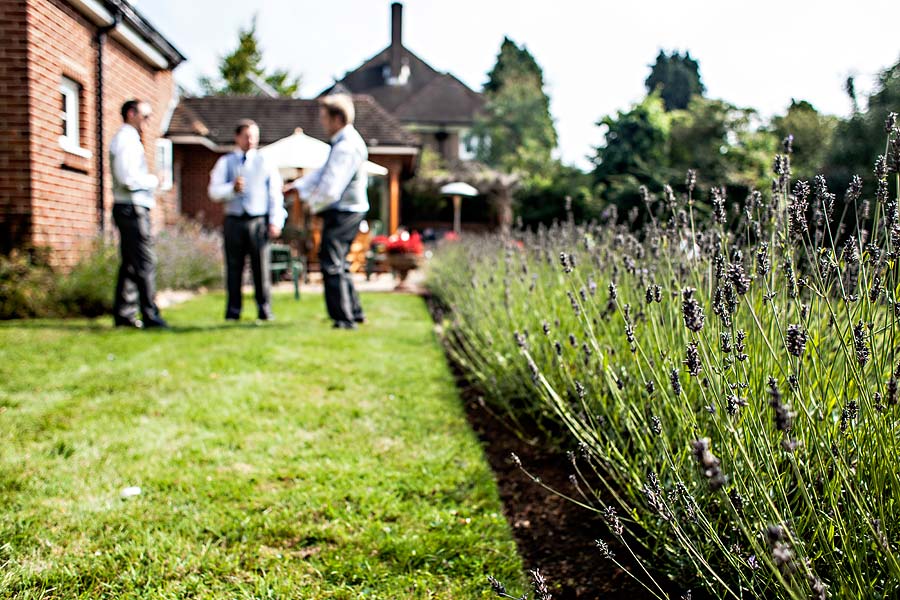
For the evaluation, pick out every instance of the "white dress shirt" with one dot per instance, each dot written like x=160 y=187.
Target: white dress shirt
x=132 y=183
x=262 y=186
x=342 y=183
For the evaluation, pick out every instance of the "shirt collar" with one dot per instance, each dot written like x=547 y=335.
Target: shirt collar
x=340 y=134
x=251 y=153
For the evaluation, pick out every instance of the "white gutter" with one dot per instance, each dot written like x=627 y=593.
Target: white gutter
x=94 y=11
x=125 y=35
x=393 y=150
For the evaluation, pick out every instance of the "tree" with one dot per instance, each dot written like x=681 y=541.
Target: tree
x=634 y=153
x=515 y=132
x=812 y=134
x=677 y=78
x=724 y=144
x=647 y=146
x=859 y=140
x=241 y=72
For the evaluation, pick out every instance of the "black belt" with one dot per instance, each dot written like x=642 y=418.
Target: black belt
x=245 y=216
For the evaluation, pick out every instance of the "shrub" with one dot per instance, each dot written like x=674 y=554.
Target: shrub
x=88 y=289
x=26 y=284
x=190 y=257
x=736 y=389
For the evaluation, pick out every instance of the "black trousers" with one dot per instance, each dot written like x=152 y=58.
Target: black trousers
x=247 y=236
x=137 y=272
x=338 y=232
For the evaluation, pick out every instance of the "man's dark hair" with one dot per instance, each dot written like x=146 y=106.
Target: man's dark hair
x=244 y=124
x=129 y=106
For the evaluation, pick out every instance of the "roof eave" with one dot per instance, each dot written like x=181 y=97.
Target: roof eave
x=132 y=30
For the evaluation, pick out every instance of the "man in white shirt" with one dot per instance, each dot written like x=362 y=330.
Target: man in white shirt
x=338 y=193
x=250 y=187
x=133 y=188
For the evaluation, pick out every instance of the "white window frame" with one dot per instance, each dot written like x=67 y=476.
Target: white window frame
x=70 y=140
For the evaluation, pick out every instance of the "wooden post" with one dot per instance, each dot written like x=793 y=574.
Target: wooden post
x=394 y=187
x=457 y=214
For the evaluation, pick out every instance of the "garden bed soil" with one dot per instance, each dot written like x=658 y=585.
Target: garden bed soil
x=552 y=534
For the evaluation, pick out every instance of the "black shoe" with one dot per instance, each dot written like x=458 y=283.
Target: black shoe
x=232 y=318
x=266 y=317
x=128 y=323
x=157 y=323
x=344 y=325
x=360 y=320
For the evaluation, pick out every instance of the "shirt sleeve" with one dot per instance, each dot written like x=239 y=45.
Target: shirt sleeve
x=342 y=165
x=306 y=184
x=129 y=166
x=277 y=214
x=220 y=189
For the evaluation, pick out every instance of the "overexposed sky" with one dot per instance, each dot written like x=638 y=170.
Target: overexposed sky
x=595 y=54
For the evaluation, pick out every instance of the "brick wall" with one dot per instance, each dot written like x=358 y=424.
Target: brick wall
x=15 y=150
x=193 y=164
x=63 y=185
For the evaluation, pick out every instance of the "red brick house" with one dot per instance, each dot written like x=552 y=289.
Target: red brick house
x=67 y=66
x=202 y=130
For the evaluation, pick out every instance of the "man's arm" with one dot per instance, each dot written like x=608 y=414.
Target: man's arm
x=342 y=165
x=128 y=167
x=306 y=184
x=220 y=189
x=277 y=214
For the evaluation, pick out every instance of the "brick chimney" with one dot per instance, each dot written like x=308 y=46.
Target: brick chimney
x=396 y=39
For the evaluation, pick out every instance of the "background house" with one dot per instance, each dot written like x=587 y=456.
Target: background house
x=437 y=107
x=202 y=130
x=67 y=66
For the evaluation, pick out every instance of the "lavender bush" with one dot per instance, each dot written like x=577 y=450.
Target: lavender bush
x=733 y=384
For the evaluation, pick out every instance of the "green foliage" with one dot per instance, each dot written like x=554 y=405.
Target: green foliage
x=733 y=391
x=515 y=133
x=264 y=474
x=634 y=152
x=241 y=71
x=859 y=140
x=512 y=64
x=812 y=133
x=545 y=200
x=648 y=146
x=723 y=143
x=26 y=285
x=88 y=289
x=677 y=79
x=188 y=258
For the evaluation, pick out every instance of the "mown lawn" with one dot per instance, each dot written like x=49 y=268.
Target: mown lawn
x=283 y=460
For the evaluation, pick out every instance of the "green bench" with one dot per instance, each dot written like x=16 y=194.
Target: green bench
x=282 y=260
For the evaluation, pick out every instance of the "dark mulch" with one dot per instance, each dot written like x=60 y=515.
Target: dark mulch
x=552 y=533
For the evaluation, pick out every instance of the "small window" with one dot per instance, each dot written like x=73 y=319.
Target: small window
x=70 y=134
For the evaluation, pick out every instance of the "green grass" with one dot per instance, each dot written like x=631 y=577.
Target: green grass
x=284 y=460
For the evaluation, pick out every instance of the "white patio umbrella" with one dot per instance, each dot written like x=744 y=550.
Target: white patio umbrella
x=300 y=151
x=458 y=189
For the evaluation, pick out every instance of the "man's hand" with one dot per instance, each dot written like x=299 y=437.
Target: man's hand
x=288 y=188
x=238 y=185
x=274 y=231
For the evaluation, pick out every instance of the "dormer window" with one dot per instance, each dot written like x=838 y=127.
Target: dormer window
x=401 y=78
